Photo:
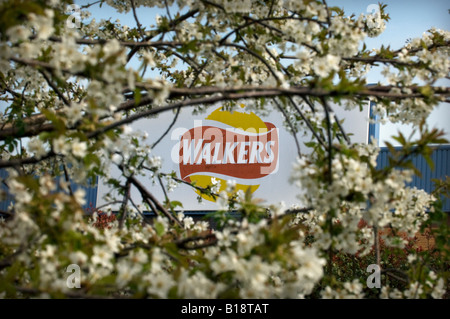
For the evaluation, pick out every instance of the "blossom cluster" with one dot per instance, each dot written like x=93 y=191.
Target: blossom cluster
x=355 y=194
x=72 y=95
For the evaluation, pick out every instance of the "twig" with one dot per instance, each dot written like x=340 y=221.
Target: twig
x=66 y=175
x=299 y=210
x=55 y=88
x=201 y=189
x=144 y=218
x=123 y=209
x=133 y=7
x=389 y=272
x=183 y=243
x=294 y=135
x=341 y=129
x=164 y=191
x=330 y=143
x=149 y=198
x=308 y=123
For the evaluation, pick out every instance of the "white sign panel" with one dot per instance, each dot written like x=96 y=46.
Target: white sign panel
x=217 y=146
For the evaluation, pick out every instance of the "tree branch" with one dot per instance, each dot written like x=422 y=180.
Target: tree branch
x=55 y=88
x=330 y=142
x=293 y=130
x=184 y=243
x=148 y=197
x=138 y=24
x=213 y=94
x=123 y=209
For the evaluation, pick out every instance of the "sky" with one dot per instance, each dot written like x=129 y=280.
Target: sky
x=409 y=19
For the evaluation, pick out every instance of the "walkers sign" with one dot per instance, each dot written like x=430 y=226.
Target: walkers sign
x=256 y=152
x=229 y=145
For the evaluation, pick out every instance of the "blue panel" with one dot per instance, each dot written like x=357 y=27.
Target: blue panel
x=4 y=204
x=441 y=159
x=374 y=128
x=91 y=193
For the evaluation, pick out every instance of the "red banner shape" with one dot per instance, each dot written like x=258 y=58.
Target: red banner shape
x=231 y=152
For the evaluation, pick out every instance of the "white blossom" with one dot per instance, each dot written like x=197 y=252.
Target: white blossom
x=37 y=147
x=79 y=148
x=323 y=66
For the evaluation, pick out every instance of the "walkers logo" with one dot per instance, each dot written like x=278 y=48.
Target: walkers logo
x=228 y=145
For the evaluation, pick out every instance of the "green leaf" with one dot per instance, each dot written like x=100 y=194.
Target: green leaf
x=429 y=162
x=159 y=229
x=310 y=144
x=400 y=138
x=391 y=148
x=137 y=96
x=426 y=91
x=175 y=204
x=191 y=46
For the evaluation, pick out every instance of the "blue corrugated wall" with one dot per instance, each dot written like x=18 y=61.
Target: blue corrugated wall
x=4 y=204
x=441 y=159
x=91 y=193
x=374 y=128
